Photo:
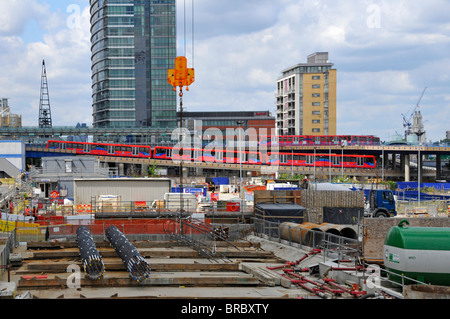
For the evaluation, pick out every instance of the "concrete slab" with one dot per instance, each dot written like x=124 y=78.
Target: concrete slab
x=268 y=277
x=174 y=275
x=174 y=293
x=7 y=290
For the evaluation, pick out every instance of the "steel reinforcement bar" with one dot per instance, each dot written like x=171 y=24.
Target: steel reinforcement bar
x=90 y=257
x=136 y=265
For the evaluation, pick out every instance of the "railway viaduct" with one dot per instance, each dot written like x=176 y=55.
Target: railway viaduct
x=393 y=161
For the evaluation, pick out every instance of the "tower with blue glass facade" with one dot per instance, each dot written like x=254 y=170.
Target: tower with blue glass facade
x=133 y=44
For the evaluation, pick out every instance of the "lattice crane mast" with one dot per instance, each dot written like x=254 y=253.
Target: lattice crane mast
x=45 y=114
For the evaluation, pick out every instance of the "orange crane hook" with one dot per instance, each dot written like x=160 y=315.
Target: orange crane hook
x=181 y=76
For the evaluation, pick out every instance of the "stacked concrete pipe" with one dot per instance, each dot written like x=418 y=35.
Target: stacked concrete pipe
x=311 y=234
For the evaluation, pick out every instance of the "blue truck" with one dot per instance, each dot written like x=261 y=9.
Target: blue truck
x=380 y=203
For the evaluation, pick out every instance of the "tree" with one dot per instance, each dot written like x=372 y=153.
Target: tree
x=153 y=170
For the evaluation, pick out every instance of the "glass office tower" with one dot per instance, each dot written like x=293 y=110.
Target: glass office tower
x=133 y=43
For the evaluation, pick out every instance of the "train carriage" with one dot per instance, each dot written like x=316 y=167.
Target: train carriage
x=102 y=149
x=177 y=153
x=216 y=155
x=320 y=160
x=207 y=155
x=318 y=140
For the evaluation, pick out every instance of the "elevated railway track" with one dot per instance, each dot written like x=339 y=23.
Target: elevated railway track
x=264 y=169
x=372 y=149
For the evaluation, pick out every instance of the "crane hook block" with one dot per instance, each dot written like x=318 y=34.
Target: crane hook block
x=181 y=75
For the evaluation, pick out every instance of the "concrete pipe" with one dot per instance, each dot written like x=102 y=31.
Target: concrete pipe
x=308 y=234
x=312 y=235
x=339 y=230
x=291 y=232
x=349 y=232
x=330 y=228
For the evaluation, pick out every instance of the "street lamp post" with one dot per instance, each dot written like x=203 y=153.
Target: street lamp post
x=292 y=164
x=239 y=123
x=419 y=164
x=382 y=163
x=315 y=184
x=342 y=160
x=329 y=164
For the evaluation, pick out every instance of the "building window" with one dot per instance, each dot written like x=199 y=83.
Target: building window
x=68 y=165
x=316 y=104
x=316 y=86
x=316 y=77
x=315 y=112
x=316 y=130
x=315 y=121
x=316 y=95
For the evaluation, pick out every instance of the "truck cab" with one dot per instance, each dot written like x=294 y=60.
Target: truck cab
x=381 y=203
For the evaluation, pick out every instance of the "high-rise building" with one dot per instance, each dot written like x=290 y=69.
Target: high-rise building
x=8 y=119
x=306 y=98
x=254 y=123
x=133 y=44
x=417 y=128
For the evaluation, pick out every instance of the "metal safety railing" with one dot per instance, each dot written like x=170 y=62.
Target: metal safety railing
x=201 y=236
x=118 y=208
x=5 y=251
x=403 y=279
x=389 y=282
x=332 y=245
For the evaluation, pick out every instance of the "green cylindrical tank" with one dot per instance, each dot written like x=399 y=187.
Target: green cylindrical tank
x=420 y=253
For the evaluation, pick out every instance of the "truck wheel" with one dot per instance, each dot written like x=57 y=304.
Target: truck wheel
x=381 y=215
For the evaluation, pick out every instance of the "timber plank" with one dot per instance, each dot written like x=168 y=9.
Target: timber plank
x=138 y=244
x=204 y=280
x=151 y=252
x=114 y=265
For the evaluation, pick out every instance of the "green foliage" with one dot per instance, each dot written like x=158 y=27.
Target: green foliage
x=288 y=176
x=152 y=170
x=391 y=185
x=342 y=179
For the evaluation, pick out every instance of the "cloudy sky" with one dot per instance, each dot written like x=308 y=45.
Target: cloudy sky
x=386 y=53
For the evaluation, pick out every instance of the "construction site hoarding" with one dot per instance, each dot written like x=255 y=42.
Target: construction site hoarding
x=129 y=189
x=343 y=215
x=280 y=212
x=313 y=200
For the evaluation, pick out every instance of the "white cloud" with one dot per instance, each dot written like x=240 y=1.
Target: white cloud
x=16 y=14
x=67 y=56
x=334 y=34
x=386 y=52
